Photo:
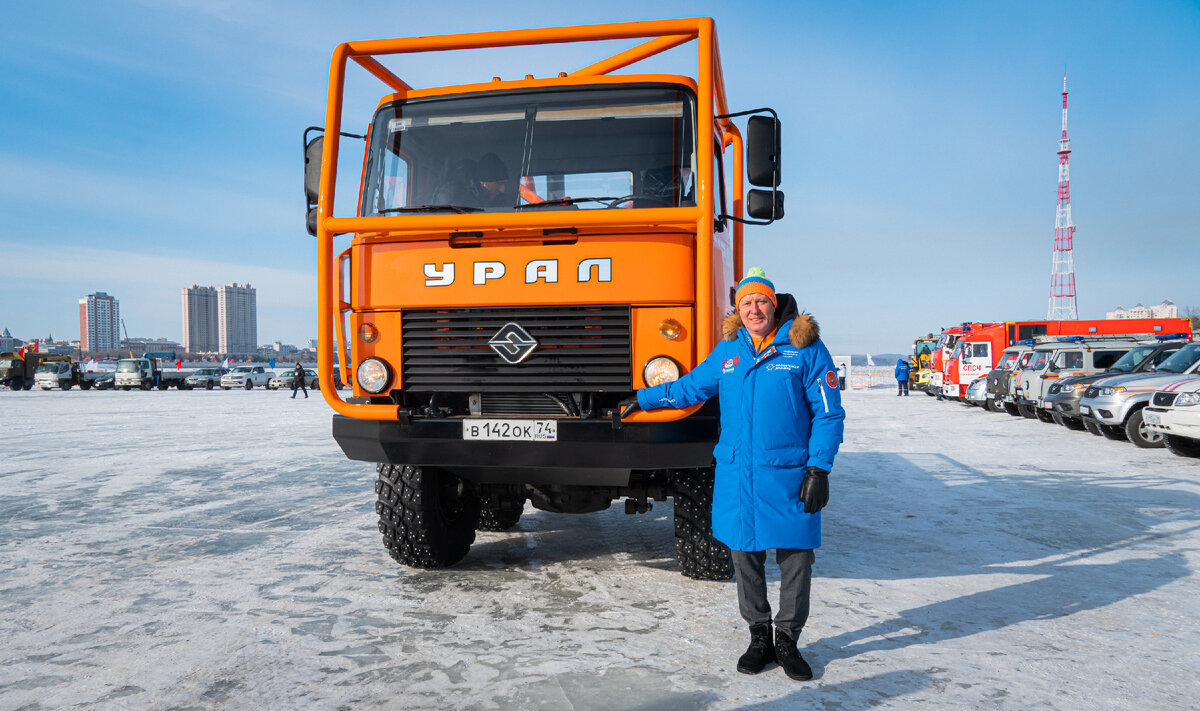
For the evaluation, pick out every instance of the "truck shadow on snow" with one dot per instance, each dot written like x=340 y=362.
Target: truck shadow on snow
x=1091 y=541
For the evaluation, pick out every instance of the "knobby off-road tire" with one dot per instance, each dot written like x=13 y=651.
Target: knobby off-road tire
x=427 y=516
x=1182 y=446
x=700 y=556
x=1141 y=435
x=500 y=508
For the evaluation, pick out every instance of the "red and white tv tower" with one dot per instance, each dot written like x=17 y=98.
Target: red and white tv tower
x=1062 y=270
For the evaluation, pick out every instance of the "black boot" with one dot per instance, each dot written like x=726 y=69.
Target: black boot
x=789 y=657
x=760 y=653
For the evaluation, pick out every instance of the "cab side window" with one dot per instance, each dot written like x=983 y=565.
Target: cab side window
x=1103 y=360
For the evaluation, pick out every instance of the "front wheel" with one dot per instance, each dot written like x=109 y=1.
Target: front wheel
x=1072 y=423
x=1092 y=426
x=1140 y=434
x=1027 y=411
x=700 y=556
x=1182 y=446
x=249 y=384
x=427 y=516
x=208 y=385
x=66 y=387
x=1113 y=432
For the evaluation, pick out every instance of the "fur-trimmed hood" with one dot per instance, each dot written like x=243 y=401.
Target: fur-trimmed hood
x=804 y=330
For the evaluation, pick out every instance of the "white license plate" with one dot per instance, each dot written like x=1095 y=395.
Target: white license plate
x=1152 y=418
x=511 y=430
x=1085 y=410
x=1048 y=406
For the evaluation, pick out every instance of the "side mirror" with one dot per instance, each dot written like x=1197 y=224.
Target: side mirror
x=763 y=151
x=312 y=180
x=765 y=204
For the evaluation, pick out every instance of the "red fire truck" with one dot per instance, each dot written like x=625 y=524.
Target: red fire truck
x=941 y=356
x=978 y=348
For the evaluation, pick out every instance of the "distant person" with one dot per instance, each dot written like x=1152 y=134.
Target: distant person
x=298 y=382
x=482 y=184
x=902 y=369
x=841 y=376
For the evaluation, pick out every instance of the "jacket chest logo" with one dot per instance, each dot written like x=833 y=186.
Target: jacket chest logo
x=729 y=364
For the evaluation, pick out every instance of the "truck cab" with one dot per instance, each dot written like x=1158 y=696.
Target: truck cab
x=135 y=373
x=56 y=372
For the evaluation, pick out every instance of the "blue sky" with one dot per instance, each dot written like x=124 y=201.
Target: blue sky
x=146 y=146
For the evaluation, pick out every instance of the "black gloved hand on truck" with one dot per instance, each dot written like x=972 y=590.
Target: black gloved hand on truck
x=628 y=406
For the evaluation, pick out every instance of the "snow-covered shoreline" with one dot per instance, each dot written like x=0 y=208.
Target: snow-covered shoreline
x=217 y=551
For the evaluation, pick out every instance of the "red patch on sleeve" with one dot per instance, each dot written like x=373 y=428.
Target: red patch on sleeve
x=831 y=379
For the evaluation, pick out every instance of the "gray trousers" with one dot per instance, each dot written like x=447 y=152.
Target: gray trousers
x=795 y=579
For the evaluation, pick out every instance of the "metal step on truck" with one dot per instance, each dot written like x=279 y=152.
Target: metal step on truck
x=524 y=254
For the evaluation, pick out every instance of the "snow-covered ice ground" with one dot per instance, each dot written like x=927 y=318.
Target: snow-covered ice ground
x=216 y=550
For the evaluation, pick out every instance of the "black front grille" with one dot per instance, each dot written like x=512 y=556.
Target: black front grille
x=1091 y=392
x=579 y=348
x=1165 y=399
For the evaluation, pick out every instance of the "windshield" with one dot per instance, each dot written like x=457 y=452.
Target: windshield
x=1132 y=359
x=947 y=340
x=1025 y=358
x=568 y=149
x=1006 y=360
x=127 y=366
x=1038 y=361
x=242 y=369
x=1182 y=360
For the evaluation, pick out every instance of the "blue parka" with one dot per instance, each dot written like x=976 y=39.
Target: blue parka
x=901 y=369
x=781 y=412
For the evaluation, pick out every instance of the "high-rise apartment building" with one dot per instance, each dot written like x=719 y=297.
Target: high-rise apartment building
x=99 y=322
x=201 y=333
x=237 y=306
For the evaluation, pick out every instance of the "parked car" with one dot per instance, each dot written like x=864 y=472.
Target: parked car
x=245 y=376
x=1174 y=413
x=207 y=378
x=999 y=380
x=1062 y=358
x=1064 y=396
x=283 y=380
x=1115 y=403
x=106 y=381
x=977 y=392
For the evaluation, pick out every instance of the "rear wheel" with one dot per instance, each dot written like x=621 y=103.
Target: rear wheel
x=1092 y=426
x=1182 y=446
x=427 y=516
x=1140 y=434
x=500 y=507
x=700 y=555
x=85 y=385
x=17 y=383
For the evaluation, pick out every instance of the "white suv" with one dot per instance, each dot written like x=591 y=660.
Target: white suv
x=1174 y=412
x=245 y=376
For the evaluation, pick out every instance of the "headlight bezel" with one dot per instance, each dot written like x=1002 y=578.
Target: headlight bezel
x=664 y=361
x=374 y=382
x=1188 y=399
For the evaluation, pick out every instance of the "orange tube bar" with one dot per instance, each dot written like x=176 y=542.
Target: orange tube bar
x=630 y=56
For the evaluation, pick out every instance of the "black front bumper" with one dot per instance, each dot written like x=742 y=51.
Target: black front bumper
x=587 y=452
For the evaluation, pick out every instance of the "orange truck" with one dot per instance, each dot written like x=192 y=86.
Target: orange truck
x=523 y=254
x=978 y=348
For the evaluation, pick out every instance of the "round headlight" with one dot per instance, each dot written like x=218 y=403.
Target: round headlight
x=670 y=329
x=367 y=333
x=373 y=375
x=660 y=370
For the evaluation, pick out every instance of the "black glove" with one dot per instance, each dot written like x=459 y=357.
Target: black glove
x=814 y=490
x=628 y=406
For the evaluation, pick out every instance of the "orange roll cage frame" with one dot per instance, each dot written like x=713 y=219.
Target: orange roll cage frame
x=662 y=36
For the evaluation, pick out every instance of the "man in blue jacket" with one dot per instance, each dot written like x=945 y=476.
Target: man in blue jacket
x=781 y=424
x=901 y=376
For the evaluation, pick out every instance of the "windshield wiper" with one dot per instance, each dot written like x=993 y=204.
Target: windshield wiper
x=433 y=208
x=565 y=201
